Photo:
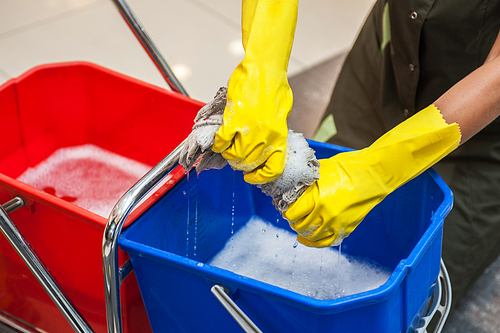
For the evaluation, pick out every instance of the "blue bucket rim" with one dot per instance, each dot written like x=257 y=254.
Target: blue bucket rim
x=233 y=281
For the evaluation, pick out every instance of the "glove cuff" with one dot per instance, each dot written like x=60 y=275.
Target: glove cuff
x=413 y=146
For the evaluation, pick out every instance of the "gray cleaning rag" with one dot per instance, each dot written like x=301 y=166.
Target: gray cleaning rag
x=301 y=167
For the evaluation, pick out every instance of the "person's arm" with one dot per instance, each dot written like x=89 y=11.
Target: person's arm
x=259 y=99
x=352 y=183
x=495 y=50
x=474 y=102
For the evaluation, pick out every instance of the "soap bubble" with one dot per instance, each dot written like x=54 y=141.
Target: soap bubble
x=319 y=273
x=87 y=176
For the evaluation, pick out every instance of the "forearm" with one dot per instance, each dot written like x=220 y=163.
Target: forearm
x=474 y=102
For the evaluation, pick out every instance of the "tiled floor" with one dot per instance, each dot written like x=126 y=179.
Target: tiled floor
x=479 y=311
x=200 y=39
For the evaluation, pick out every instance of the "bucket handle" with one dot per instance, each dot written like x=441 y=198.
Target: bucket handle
x=234 y=310
x=23 y=248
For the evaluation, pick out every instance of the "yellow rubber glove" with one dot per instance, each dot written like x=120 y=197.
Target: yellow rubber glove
x=352 y=183
x=259 y=99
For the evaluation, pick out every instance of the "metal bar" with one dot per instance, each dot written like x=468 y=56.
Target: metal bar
x=125 y=270
x=148 y=44
x=112 y=274
x=24 y=250
x=13 y=205
x=11 y=324
x=234 y=310
x=113 y=229
x=444 y=308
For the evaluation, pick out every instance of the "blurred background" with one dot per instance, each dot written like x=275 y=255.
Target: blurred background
x=199 y=39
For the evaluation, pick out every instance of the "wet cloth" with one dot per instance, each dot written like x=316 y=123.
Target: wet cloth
x=407 y=54
x=301 y=166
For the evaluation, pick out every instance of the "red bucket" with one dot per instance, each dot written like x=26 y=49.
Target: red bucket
x=65 y=105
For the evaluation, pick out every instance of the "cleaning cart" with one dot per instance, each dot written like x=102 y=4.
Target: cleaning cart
x=55 y=253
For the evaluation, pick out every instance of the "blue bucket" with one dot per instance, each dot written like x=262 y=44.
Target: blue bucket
x=403 y=233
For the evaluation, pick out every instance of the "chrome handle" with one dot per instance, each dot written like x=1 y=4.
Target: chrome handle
x=130 y=199
x=147 y=43
x=24 y=250
x=234 y=310
x=13 y=205
x=113 y=229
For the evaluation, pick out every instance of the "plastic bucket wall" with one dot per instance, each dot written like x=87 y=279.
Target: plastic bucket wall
x=403 y=233
x=62 y=105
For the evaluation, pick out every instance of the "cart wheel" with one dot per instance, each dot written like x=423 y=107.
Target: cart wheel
x=441 y=304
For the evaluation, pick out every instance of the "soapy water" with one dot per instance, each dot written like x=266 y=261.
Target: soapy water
x=195 y=245
x=261 y=251
x=87 y=176
x=193 y=219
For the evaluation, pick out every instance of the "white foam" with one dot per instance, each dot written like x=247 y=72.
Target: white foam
x=87 y=176
x=297 y=166
x=261 y=251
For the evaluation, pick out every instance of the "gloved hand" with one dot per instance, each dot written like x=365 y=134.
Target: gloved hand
x=259 y=99
x=352 y=183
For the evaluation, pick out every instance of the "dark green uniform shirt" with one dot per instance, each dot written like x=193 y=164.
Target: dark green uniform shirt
x=407 y=54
